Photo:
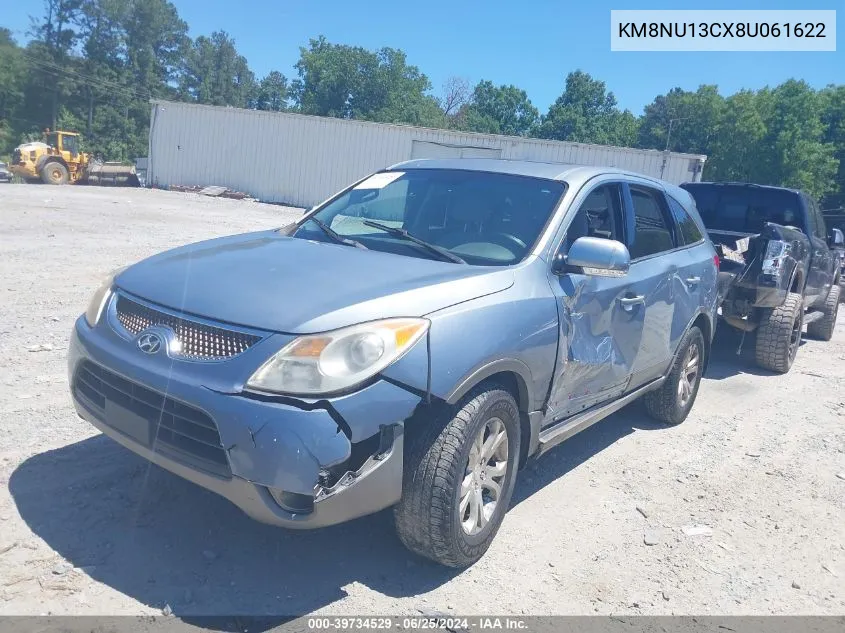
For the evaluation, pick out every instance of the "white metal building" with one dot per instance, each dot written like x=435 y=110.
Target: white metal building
x=301 y=160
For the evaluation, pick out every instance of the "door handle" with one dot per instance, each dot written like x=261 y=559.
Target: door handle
x=693 y=281
x=628 y=303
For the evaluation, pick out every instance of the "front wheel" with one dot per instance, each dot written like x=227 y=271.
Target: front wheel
x=672 y=402
x=459 y=478
x=823 y=328
x=54 y=173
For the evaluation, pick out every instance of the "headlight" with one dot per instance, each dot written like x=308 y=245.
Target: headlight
x=319 y=364
x=100 y=298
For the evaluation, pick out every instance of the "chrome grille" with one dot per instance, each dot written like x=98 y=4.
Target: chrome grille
x=199 y=341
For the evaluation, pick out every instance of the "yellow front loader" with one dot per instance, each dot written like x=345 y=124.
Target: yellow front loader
x=57 y=161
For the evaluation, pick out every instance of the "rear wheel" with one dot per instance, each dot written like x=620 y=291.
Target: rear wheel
x=54 y=173
x=823 y=328
x=779 y=334
x=459 y=478
x=672 y=402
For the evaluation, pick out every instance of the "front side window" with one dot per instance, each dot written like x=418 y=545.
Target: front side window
x=600 y=215
x=652 y=233
x=70 y=144
x=687 y=228
x=482 y=218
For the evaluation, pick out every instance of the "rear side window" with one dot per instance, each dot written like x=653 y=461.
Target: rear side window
x=819 y=224
x=688 y=230
x=652 y=233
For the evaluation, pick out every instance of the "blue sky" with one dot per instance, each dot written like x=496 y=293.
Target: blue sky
x=531 y=43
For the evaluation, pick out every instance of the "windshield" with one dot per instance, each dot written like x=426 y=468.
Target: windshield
x=52 y=140
x=482 y=218
x=744 y=209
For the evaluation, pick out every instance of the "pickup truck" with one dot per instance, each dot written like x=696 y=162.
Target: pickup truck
x=778 y=271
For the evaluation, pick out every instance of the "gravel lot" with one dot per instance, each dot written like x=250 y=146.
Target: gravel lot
x=88 y=528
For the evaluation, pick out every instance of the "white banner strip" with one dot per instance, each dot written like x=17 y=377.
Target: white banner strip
x=716 y=30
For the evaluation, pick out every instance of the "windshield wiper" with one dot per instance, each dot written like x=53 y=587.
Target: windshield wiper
x=337 y=237
x=441 y=252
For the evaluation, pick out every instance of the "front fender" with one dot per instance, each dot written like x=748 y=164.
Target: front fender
x=514 y=331
x=502 y=365
x=42 y=160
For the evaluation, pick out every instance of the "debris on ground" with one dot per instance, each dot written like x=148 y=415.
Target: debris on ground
x=795 y=584
x=9 y=547
x=651 y=537
x=213 y=191
x=697 y=530
x=642 y=511
x=40 y=347
x=61 y=568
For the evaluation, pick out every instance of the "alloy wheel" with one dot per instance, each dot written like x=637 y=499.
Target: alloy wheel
x=689 y=374
x=484 y=476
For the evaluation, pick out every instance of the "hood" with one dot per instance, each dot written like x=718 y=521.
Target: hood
x=33 y=146
x=273 y=282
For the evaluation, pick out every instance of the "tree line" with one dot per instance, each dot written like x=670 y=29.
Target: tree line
x=93 y=65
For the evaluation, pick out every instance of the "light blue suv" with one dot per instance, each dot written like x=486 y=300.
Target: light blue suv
x=409 y=343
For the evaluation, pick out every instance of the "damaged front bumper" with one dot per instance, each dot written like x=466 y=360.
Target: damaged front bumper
x=286 y=462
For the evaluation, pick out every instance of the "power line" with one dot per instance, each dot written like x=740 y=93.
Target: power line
x=55 y=69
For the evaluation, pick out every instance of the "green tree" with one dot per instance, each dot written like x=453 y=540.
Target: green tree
x=216 y=74
x=272 y=92
x=832 y=101
x=795 y=152
x=13 y=73
x=353 y=83
x=499 y=110
x=682 y=121
x=587 y=113
x=737 y=143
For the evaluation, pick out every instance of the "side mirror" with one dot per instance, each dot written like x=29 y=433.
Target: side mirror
x=836 y=238
x=594 y=256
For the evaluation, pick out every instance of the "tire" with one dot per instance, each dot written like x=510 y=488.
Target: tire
x=823 y=328
x=428 y=519
x=673 y=401
x=779 y=335
x=54 y=173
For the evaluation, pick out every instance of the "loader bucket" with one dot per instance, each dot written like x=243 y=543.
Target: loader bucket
x=112 y=174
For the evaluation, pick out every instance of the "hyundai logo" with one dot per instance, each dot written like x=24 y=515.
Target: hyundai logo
x=149 y=343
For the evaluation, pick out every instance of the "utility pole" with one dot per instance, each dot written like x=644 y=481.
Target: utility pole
x=666 y=149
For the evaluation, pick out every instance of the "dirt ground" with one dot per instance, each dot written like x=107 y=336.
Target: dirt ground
x=600 y=525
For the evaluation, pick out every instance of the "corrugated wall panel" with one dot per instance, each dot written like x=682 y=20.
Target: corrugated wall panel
x=301 y=160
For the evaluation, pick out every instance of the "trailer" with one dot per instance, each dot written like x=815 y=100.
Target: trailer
x=301 y=160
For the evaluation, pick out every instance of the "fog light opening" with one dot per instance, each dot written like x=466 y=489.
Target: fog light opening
x=292 y=501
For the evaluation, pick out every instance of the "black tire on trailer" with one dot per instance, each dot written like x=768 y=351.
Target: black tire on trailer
x=823 y=328
x=779 y=334
x=54 y=173
x=459 y=477
x=672 y=402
